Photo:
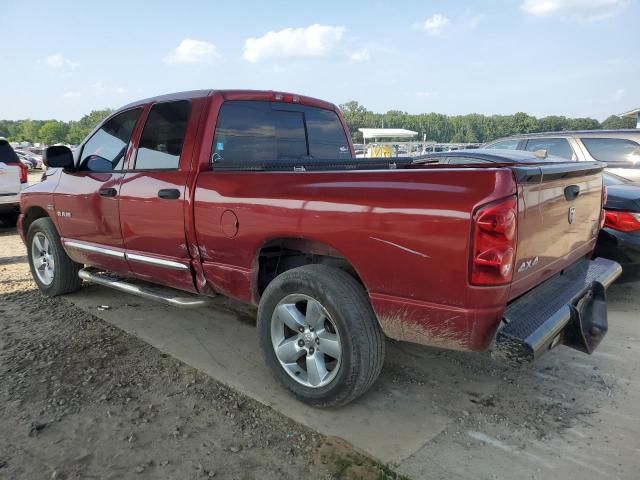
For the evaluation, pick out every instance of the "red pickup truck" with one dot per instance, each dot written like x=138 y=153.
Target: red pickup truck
x=256 y=195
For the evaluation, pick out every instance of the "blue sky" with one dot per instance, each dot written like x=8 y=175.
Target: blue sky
x=62 y=59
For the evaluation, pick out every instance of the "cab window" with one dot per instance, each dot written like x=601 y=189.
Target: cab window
x=254 y=131
x=106 y=149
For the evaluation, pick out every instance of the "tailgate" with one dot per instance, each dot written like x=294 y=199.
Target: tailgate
x=559 y=209
x=9 y=179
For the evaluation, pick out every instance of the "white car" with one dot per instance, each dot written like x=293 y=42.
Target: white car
x=13 y=178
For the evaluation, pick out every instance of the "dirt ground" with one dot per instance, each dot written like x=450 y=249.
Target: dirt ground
x=81 y=399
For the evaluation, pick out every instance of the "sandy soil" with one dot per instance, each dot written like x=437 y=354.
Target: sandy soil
x=82 y=399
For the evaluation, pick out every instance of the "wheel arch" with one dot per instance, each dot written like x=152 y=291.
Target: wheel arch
x=278 y=255
x=31 y=215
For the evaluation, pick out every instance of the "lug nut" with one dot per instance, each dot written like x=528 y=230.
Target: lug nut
x=311 y=350
x=317 y=341
x=301 y=329
x=311 y=329
x=301 y=343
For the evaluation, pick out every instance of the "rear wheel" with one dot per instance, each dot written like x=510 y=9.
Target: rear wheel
x=319 y=335
x=52 y=269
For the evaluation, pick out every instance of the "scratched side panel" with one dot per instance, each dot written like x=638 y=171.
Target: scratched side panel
x=406 y=232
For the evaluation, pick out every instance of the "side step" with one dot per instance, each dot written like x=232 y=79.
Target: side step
x=165 y=295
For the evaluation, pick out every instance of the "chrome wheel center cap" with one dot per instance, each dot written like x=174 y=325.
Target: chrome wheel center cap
x=309 y=338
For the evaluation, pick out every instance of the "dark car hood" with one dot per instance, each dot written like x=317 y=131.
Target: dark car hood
x=624 y=197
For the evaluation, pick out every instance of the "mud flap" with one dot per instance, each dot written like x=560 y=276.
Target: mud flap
x=588 y=324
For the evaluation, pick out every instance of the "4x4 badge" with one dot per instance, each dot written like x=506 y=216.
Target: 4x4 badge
x=527 y=264
x=572 y=214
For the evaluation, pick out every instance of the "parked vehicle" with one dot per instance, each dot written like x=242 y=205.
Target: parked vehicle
x=28 y=161
x=13 y=178
x=620 y=149
x=619 y=240
x=257 y=196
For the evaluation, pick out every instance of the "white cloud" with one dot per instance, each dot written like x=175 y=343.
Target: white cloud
x=582 y=9
x=433 y=25
x=97 y=89
x=58 y=61
x=360 y=56
x=313 y=41
x=618 y=95
x=193 y=51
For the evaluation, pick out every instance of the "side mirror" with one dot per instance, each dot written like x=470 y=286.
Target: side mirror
x=58 y=156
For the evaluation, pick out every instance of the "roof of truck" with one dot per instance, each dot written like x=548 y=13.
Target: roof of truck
x=265 y=95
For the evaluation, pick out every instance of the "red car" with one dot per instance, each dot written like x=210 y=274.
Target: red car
x=256 y=195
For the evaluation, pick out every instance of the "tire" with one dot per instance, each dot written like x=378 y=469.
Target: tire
x=63 y=276
x=345 y=315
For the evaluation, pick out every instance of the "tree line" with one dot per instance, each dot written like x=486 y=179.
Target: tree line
x=471 y=128
x=50 y=132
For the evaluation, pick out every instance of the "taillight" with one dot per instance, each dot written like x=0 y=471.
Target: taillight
x=622 y=221
x=24 y=171
x=494 y=243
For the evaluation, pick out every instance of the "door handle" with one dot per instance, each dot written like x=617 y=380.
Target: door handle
x=169 y=193
x=108 y=192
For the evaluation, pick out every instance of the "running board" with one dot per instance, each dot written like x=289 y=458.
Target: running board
x=164 y=295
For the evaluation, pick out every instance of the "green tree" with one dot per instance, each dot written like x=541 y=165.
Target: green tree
x=614 y=122
x=52 y=132
x=79 y=130
x=28 y=131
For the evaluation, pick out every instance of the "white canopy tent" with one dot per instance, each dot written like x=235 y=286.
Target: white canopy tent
x=368 y=133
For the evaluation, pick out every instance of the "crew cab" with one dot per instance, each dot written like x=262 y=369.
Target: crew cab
x=256 y=195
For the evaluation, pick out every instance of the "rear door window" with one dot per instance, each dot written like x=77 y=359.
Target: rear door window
x=249 y=131
x=554 y=146
x=163 y=136
x=612 y=149
x=108 y=146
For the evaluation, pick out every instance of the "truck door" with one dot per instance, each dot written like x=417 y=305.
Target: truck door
x=153 y=197
x=86 y=200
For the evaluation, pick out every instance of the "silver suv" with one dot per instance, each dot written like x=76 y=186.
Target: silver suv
x=13 y=178
x=620 y=149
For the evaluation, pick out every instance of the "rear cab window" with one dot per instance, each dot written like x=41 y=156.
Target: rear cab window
x=259 y=131
x=613 y=150
x=559 y=147
x=7 y=155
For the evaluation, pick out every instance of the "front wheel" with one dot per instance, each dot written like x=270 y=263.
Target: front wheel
x=52 y=269
x=320 y=336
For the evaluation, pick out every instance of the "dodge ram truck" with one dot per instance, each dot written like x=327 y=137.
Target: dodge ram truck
x=256 y=195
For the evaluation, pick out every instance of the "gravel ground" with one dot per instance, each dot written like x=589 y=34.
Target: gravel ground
x=81 y=399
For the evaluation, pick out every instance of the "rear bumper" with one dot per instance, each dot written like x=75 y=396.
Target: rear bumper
x=9 y=203
x=569 y=308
